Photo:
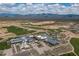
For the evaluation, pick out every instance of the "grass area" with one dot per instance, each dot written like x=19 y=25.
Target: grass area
x=69 y=54
x=40 y=33
x=75 y=43
x=54 y=30
x=35 y=27
x=74 y=31
x=4 y=45
x=1 y=38
x=19 y=31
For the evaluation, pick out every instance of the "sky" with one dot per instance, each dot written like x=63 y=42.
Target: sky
x=39 y=8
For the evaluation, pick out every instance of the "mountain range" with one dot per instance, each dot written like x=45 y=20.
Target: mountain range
x=40 y=16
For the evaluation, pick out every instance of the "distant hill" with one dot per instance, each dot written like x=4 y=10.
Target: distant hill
x=39 y=16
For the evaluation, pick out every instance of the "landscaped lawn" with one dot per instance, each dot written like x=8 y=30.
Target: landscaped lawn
x=18 y=31
x=68 y=54
x=75 y=43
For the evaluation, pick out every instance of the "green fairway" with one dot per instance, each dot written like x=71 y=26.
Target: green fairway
x=18 y=31
x=75 y=43
x=68 y=54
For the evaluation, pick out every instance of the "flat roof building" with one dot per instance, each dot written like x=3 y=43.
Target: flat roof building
x=45 y=37
x=52 y=40
x=21 y=39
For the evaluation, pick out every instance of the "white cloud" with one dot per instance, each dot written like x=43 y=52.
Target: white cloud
x=39 y=8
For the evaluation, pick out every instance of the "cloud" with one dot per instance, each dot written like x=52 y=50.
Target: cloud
x=38 y=8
